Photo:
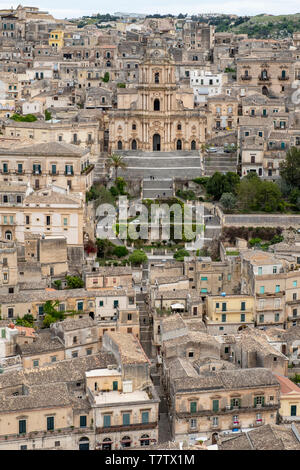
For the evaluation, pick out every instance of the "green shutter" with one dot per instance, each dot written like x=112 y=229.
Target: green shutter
x=215 y=405
x=193 y=406
x=115 y=385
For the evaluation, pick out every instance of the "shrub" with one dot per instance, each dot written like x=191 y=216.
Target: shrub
x=120 y=251
x=180 y=254
x=48 y=115
x=27 y=118
x=138 y=257
x=74 y=282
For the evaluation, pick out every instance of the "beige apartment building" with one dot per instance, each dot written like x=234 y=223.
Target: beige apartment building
x=44 y=212
x=269 y=74
x=108 y=277
x=274 y=282
x=229 y=313
x=8 y=266
x=123 y=400
x=205 y=406
x=84 y=132
x=54 y=163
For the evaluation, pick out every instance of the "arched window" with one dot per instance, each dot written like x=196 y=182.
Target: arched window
x=264 y=74
x=156 y=106
x=8 y=235
x=179 y=145
x=120 y=145
x=283 y=74
x=108 y=55
x=103 y=99
x=156 y=77
x=134 y=127
x=193 y=145
x=125 y=441
x=179 y=127
x=84 y=443
x=145 y=440
x=108 y=63
x=133 y=145
x=107 y=443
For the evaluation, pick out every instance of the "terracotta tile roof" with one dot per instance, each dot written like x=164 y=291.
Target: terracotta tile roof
x=286 y=385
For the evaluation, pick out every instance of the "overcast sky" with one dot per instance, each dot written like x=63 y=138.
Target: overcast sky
x=75 y=8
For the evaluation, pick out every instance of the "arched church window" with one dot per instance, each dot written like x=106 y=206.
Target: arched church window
x=156 y=106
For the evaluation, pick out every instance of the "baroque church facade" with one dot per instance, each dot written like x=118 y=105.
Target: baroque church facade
x=156 y=115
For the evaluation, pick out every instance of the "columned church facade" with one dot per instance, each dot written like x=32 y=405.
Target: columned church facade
x=156 y=115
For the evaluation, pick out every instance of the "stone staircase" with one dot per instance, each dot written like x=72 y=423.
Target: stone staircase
x=157 y=188
x=222 y=162
x=99 y=169
x=162 y=165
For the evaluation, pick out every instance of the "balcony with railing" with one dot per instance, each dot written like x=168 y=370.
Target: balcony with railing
x=285 y=78
x=264 y=78
x=246 y=77
x=126 y=427
x=227 y=410
x=88 y=169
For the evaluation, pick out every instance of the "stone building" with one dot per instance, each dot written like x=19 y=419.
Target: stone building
x=158 y=115
x=203 y=406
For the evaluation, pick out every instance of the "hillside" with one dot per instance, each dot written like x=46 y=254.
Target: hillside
x=263 y=26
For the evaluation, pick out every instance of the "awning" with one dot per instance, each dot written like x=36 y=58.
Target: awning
x=177 y=306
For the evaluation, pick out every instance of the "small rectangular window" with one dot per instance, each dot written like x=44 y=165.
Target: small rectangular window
x=83 y=421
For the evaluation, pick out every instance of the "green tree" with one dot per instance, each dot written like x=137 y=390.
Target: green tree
x=104 y=248
x=269 y=197
x=121 y=185
x=290 y=167
x=215 y=185
x=48 y=320
x=116 y=161
x=138 y=257
x=74 y=282
x=257 y=195
x=120 y=251
x=105 y=79
x=48 y=115
x=228 y=201
x=180 y=254
x=57 y=284
x=27 y=321
x=27 y=118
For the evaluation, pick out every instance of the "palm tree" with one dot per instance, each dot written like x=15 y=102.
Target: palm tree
x=116 y=161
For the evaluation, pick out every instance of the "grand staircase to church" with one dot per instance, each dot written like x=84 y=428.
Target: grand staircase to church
x=157 y=188
x=163 y=165
x=221 y=162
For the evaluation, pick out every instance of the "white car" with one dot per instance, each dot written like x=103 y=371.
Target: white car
x=212 y=150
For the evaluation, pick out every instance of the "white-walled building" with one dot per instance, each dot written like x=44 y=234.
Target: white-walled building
x=205 y=84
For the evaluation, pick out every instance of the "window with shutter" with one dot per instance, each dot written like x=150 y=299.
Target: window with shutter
x=215 y=405
x=193 y=406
